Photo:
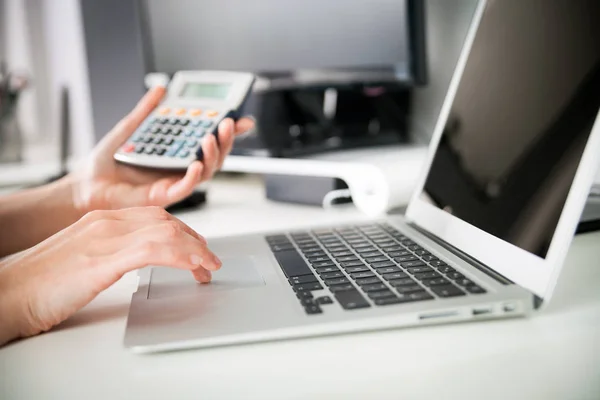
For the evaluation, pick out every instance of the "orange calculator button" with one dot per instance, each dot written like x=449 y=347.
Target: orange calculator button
x=195 y=112
x=164 y=111
x=181 y=111
x=212 y=113
x=128 y=148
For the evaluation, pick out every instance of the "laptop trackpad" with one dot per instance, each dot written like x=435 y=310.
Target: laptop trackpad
x=236 y=273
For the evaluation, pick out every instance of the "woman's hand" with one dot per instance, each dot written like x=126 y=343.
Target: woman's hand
x=43 y=286
x=105 y=184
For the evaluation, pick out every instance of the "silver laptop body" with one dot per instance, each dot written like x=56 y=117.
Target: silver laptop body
x=511 y=161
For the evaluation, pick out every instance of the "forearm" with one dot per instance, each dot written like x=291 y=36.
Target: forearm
x=30 y=216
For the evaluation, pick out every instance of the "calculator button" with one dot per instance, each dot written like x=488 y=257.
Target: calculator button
x=128 y=148
x=161 y=151
x=189 y=132
x=192 y=143
x=165 y=130
x=212 y=113
x=195 y=112
x=164 y=111
x=207 y=124
x=153 y=120
x=140 y=148
x=149 y=149
x=146 y=129
x=181 y=111
x=157 y=140
x=155 y=129
x=176 y=131
x=197 y=123
x=168 y=141
x=173 y=121
x=184 y=122
x=137 y=138
x=199 y=133
x=163 y=120
x=148 y=139
x=183 y=154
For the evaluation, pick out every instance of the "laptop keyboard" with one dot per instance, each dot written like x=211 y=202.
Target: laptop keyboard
x=363 y=266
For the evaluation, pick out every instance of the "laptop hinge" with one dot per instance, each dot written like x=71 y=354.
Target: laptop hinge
x=464 y=256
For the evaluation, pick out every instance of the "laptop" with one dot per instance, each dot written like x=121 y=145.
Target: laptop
x=510 y=165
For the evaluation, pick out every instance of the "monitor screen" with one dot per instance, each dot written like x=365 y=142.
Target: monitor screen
x=216 y=91
x=520 y=120
x=272 y=36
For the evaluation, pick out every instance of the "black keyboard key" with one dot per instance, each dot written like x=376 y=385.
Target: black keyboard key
x=447 y=291
x=371 y=254
x=383 y=264
x=427 y=275
x=323 y=300
x=429 y=258
x=341 y=288
x=343 y=253
x=333 y=275
x=455 y=275
x=372 y=260
x=411 y=264
x=361 y=275
x=307 y=302
x=388 y=270
x=356 y=263
x=318 y=259
x=401 y=253
x=347 y=259
x=325 y=270
x=422 y=253
x=367 y=281
x=388 y=300
x=374 y=287
x=446 y=269
x=282 y=247
x=313 y=309
x=395 y=275
x=404 y=259
x=314 y=253
x=292 y=263
x=437 y=263
x=435 y=282
x=393 y=248
x=409 y=289
x=475 y=289
x=360 y=268
x=365 y=247
x=307 y=287
x=304 y=295
x=464 y=282
x=336 y=281
x=418 y=270
x=351 y=299
x=382 y=294
x=297 y=280
x=402 y=282
x=418 y=296
x=322 y=264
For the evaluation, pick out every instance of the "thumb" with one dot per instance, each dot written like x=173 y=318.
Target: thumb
x=125 y=128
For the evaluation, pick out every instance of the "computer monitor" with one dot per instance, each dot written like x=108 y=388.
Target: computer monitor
x=291 y=42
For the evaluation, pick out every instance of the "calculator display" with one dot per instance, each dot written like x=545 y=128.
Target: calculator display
x=206 y=90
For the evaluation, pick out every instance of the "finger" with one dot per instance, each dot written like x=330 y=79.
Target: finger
x=184 y=187
x=119 y=134
x=162 y=247
x=202 y=275
x=244 y=125
x=210 y=151
x=148 y=215
x=225 y=139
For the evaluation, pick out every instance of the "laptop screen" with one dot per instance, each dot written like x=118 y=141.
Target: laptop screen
x=523 y=112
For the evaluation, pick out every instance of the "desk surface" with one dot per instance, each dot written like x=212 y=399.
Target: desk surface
x=554 y=355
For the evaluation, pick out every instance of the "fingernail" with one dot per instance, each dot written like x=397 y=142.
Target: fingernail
x=217 y=262
x=202 y=275
x=195 y=259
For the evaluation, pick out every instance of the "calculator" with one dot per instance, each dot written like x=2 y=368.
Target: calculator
x=196 y=101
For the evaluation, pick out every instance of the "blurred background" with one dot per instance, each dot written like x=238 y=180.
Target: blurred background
x=334 y=75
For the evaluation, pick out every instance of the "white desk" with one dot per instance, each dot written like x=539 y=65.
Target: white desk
x=555 y=355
